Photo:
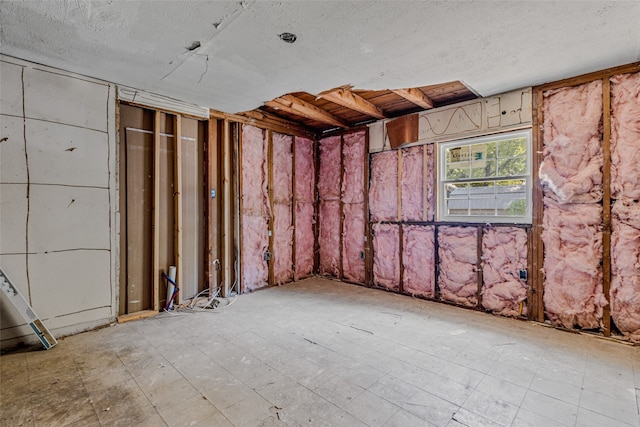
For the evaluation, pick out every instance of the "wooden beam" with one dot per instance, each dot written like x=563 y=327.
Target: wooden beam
x=297 y=106
x=416 y=96
x=345 y=97
x=265 y=120
x=157 y=117
x=177 y=200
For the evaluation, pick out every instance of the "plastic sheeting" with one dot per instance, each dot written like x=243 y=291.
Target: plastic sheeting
x=255 y=209
x=458 y=255
x=329 y=238
x=418 y=260
x=353 y=152
x=304 y=221
x=504 y=254
x=412 y=183
x=571 y=170
x=383 y=192
x=386 y=256
x=572 y=239
x=282 y=205
x=625 y=136
x=625 y=268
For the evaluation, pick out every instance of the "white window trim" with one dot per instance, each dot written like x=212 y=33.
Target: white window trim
x=441 y=205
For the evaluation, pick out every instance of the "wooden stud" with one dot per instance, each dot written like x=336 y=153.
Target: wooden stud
x=293 y=207
x=530 y=293
x=316 y=207
x=124 y=318
x=480 y=278
x=270 y=196
x=177 y=200
x=213 y=223
x=227 y=212
x=585 y=78
x=537 y=278
x=345 y=97
x=416 y=96
x=606 y=203
x=293 y=105
x=425 y=183
x=436 y=263
x=341 y=205
x=399 y=183
x=157 y=117
x=368 y=242
x=400 y=258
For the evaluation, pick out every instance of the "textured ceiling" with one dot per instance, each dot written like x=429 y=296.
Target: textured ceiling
x=490 y=46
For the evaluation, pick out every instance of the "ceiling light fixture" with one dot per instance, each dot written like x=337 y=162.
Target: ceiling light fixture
x=288 y=37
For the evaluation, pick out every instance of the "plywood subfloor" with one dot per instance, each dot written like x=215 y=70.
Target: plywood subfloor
x=323 y=353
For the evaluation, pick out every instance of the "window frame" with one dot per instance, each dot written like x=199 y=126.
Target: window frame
x=442 y=180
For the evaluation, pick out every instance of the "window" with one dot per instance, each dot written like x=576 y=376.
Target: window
x=486 y=179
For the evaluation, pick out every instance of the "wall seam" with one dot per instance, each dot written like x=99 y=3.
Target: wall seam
x=26 y=159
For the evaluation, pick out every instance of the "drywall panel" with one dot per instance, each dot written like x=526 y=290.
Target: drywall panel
x=86 y=277
x=383 y=191
x=458 y=256
x=625 y=268
x=418 y=260
x=353 y=242
x=65 y=99
x=67 y=155
x=504 y=255
x=329 y=238
x=625 y=136
x=377 y=133
x=412 y=183
x=11 y=89
x=571 y=170
x=386 y=256
x=13 y=162
x=63 y=218
x=13 y=219
x=572 y=237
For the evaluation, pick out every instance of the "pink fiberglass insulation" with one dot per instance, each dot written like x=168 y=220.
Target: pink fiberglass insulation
x=386 y=256
x=625 y=268
x=254 y=172
x=383 y=191
x=431 y=183
x=411 y=184
x=418 y=260
x=304 y=237
x=625 y=136
x=305 y=170
x=353 y=242
x=504 y=254
x=571 y=170
x=255 y=242
x=282 y=169
x=572 y=237
x=458 y=254
x=329 y=238
x=282 y=240
x=353 y=164
x=329 y=173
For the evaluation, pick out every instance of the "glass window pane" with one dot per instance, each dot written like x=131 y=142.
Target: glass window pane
x=458 y=172
x=486 y=171
x=512 y=166
x=512 y=147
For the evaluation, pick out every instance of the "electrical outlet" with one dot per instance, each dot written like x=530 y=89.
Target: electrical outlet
x=361 y=254
x=523 y=274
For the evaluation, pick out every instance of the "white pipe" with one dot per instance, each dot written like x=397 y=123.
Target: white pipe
x=170 y=287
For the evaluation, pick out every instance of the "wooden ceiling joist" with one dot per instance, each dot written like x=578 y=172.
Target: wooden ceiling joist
x=347 y=98
x=297 y=106
x=416 y=96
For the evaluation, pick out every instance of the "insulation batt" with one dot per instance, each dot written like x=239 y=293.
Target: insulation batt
x=504 y=254
x=304 y=220
x=458 y=255
x=383 y=192
x=431 y=183
x=625 y=268
x=255 y=242
x=411 y=184
x=353 y=242
x=305 y=171
x=625 y=136
x=329 y=238
x=254 y=172
x=386 y=256
x=353 y=162
x=418 y=260
x=329 y=173
x=571 y=170
x=572 y=237
x=304 y=239
x=282 y=201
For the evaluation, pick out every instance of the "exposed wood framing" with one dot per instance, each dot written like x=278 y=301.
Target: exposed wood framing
x=177 y=200
x=293 y=207
x=536 y=307
x=416 y=96
x=227 y=212
x=264 y=120
x=585 y=78
x=316 y=209
x=124 y=318
x=368 y=239
x=400 y=257
x=530 y=293
x=341 y=204
x=436 y=263
x=425 y=183
x=157 y=117
x=479 y=234
x=212 y=205
x=345 y=97
x=271 y=223
x=399 y=183
x=293 y=105
x=606 y=202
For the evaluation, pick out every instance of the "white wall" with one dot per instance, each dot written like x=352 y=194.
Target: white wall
x=58 y=199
